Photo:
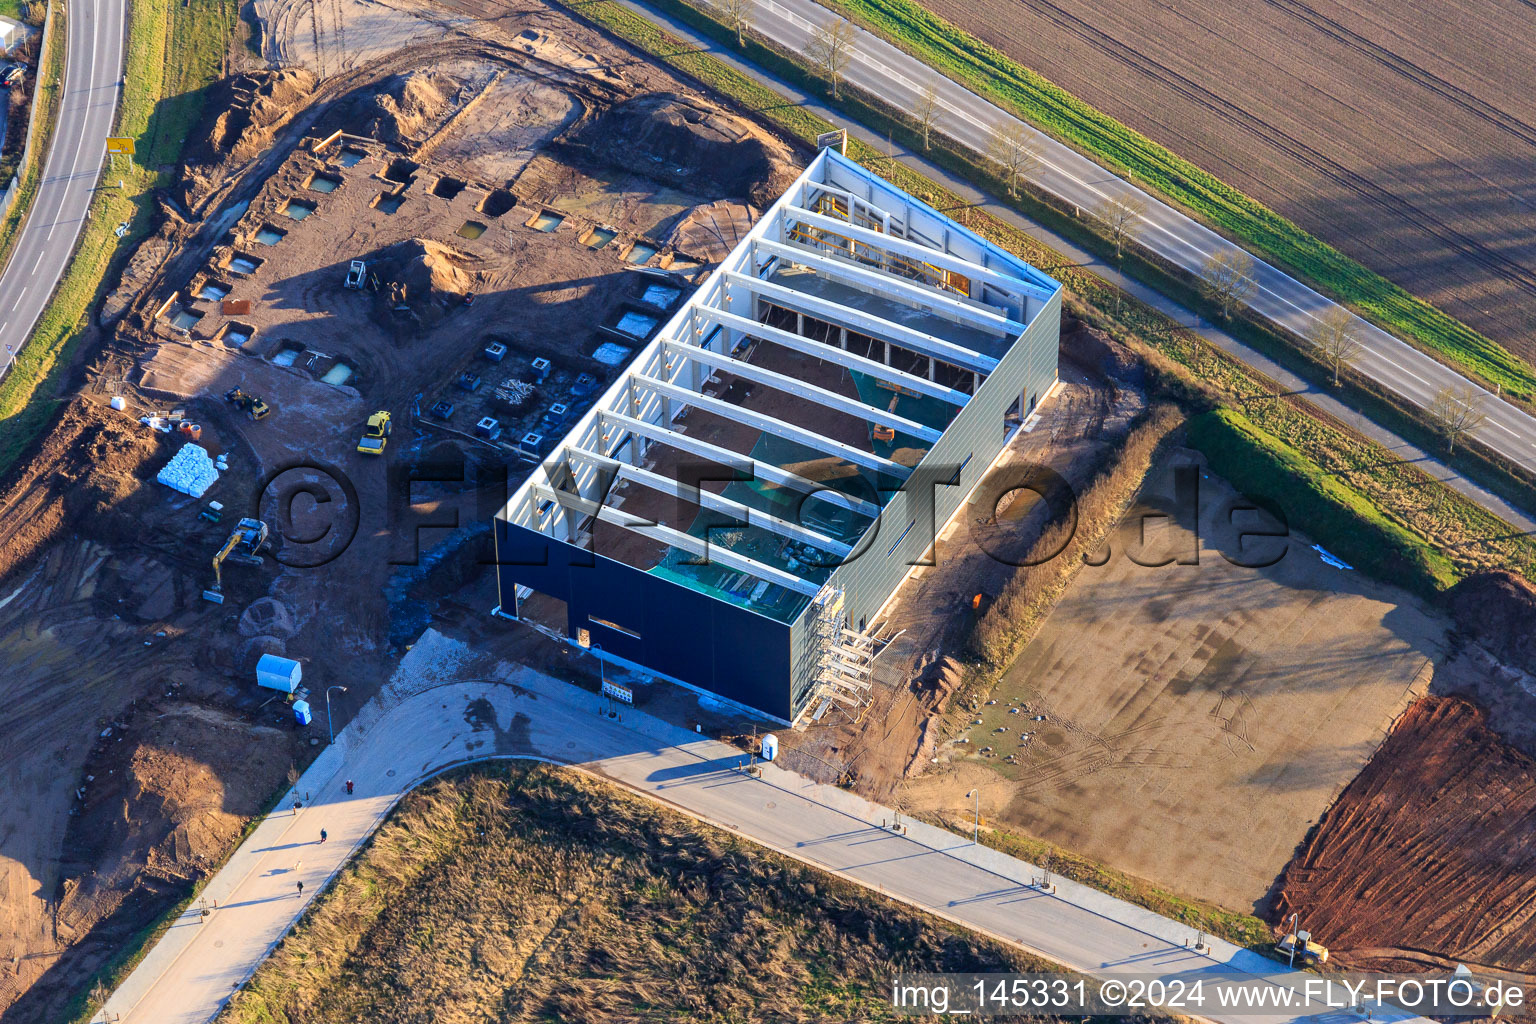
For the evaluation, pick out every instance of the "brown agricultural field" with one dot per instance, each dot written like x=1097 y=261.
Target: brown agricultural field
x=1401 y=132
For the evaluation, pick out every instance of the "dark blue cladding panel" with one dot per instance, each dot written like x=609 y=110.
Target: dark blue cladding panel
x=705 y=642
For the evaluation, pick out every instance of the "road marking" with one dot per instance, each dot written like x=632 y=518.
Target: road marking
x=20 y=297
x=80 y=119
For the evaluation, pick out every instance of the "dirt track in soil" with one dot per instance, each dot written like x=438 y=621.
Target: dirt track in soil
x=1428 y=858
x=1402 y=133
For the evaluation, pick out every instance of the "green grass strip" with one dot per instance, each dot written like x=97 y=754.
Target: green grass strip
x=1337 y=516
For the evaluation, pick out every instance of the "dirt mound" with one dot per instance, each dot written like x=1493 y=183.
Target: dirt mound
x=268 y=617
x=1498 y=609
x=711 y=230
x=1098 y=352
x=245 y=112
x=938 y=683
x=407 y=111
x=162 y=806
x=1431 y=850
x=422 y=279
x=687 y=143
x=85 y=467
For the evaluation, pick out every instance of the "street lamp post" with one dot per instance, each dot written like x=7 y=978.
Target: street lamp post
x=328 y=726
x=602 y=670
x=1293 y=939
x=976 y=821
x=602 y=676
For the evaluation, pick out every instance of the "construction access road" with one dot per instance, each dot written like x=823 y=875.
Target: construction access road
x=883 y=70
x=93 y=69
x=448 y=705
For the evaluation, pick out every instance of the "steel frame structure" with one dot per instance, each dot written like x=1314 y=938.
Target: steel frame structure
x=950 y=305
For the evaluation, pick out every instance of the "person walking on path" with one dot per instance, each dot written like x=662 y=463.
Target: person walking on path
x=301 y=890
x=322 y=835
x=349 y=787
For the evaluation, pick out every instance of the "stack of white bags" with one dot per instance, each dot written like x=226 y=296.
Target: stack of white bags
x=191 y=471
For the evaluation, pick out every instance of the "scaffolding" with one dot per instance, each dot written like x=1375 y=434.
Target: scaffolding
x=845 y=659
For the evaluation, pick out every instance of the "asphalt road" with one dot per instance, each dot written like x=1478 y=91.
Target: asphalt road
x=93 y=70
x=430 y=717
x=883 y=70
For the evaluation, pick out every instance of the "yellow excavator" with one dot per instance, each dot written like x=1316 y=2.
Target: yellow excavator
x=245 y=544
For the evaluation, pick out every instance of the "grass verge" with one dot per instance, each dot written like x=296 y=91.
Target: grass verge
x=175 y=51
x=1476 y=461
x=1269 y=470
x=992 y=74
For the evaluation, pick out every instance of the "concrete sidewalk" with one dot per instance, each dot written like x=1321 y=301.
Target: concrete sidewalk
x=446 y=706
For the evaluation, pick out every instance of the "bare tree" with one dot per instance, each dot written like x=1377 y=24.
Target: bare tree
x=1457 y=412
x=1227 y=280
x=830 y=49
x=737 y=16
x=927 y=110
x=1334 y=335
x=1121 y=216
x=1015 y=150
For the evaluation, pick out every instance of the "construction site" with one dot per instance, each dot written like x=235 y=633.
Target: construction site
x=374 y=272
x=469 y=316
x=843 y=380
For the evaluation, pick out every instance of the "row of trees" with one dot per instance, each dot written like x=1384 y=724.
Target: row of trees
x=1227 y=278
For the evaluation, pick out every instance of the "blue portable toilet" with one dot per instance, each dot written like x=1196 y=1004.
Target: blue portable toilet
x=301 y=712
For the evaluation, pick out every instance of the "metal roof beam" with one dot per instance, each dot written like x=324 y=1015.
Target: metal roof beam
x=714 y=502
x=725 y=457
x=918 y=251
x=865 y=323
x=832 y=354
x=799 y=388
x=856 y=275
x=677 y=539
x=768 y=424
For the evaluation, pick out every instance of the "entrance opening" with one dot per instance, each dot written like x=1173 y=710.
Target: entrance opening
x=544 y=611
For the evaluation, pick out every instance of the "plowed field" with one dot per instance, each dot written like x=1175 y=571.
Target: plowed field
x=1428 y=858
x=1400 y=131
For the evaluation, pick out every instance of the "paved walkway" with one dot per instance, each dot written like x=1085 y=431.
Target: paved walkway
x=1323 y=400
x=447 y=706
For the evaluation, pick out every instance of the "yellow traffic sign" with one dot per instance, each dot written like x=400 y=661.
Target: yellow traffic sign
x=116 y=145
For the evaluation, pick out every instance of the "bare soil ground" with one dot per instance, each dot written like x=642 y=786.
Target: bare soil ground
x=550 y=896
x=1428 y=858
x=1188 y=721
x=131 y=723
x=1399 y=132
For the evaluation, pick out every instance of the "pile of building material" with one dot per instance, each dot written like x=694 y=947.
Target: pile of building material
x=512 y=392
x=190 y=471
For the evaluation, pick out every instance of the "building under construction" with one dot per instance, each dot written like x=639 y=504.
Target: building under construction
x=736 y=510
